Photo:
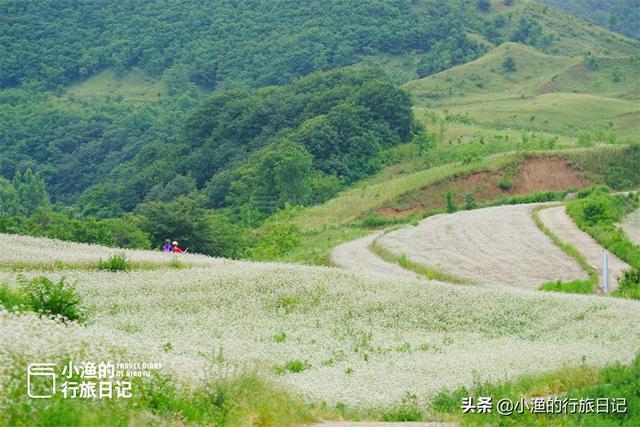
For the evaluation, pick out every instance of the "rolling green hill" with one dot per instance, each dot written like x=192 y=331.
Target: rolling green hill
x=565 y=95
x=622 y=16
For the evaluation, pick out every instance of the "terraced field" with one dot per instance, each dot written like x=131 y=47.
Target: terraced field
x=498 y=246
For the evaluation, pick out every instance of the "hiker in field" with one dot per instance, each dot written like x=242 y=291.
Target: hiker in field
x=176 y=248
x=168 y=247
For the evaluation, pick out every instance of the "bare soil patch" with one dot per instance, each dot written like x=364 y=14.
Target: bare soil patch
x=531 y=176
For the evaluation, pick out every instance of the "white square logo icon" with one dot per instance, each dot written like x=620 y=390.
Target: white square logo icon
x=41 y=380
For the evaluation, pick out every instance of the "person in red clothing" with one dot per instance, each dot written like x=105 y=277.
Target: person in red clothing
x=176 y=248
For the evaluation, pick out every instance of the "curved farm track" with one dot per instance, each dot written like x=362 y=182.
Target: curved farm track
x=556 y=220
x=357 y=256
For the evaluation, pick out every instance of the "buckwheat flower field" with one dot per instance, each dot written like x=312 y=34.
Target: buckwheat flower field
x=494 y=246
x=363 y=340
x=32 y=250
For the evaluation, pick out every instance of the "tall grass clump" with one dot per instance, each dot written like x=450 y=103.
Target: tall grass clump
x=116 y=262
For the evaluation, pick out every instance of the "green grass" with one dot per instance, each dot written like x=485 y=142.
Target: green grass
x=422 y=270
x=546 y=92
x=575 y=286
x=243 y=400
x=613 y=381
x=599 y=214
x=133 y=85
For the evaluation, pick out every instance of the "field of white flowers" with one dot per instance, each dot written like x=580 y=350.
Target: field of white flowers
x=32 y=250
x=631 y=226
x=494 y=246
x=361 y=340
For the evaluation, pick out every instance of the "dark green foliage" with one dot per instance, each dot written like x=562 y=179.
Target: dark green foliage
x=210 y=43
x=23 y=195
x=43 y=296
x=274 y=146
x=66 y=226
x=450 y=203
x=622 y=16
x=116 y=262
x=470 y=202
x=484 y=5
x=509 y=64
x=195 y=228
x=629 y=286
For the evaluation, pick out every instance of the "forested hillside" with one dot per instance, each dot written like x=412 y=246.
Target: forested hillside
x=245 y=107
x=622 y=16
x=217 y=42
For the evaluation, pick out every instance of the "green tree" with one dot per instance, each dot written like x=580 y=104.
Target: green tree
x=9 y=200
x=31 y=191
x=509 y=64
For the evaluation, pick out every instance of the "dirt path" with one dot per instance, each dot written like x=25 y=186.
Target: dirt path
x=562 y=225
x=355 y=255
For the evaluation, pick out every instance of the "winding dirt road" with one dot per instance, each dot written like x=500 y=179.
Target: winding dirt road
x=357 y=256
x=557 y=220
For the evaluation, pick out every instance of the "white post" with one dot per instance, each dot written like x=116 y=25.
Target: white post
x=605 y=271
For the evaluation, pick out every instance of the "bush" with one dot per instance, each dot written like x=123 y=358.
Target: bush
x=450 y=203
x=117 y=262
x=470 y=202
x=629 y=286
x=48 y=298
x=10 y=299
x=505 y=184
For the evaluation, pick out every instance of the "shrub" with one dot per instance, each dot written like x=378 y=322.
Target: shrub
x=450 y=202
x=505 y=184
x=629 y=286
x=51 y=298
x=116 y=262
x=10 y=299
x=470 y=202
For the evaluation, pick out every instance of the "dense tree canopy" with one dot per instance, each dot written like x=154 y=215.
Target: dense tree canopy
x=622 y=16
x=217 y=42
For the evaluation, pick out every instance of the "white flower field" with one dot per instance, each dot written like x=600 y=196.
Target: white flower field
x=494 y=246
x=364 y=340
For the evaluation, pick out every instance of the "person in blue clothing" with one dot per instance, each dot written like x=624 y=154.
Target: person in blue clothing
x=168 y=247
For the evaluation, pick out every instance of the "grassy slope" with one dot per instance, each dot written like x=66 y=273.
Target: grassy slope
x=548 y=93
x=572 y=36
x=131 y=85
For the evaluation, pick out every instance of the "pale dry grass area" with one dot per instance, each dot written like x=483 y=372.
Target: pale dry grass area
x=631 y=226
x=363 y=340
x=499 y=246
